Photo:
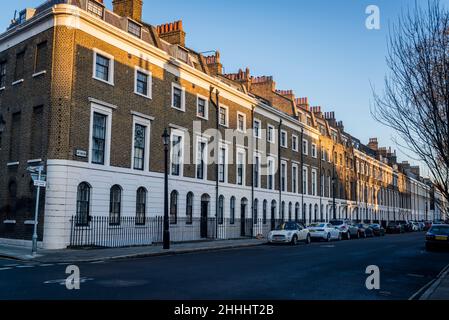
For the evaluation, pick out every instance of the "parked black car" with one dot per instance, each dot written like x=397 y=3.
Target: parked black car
x=395 y=227
x=437 y=237
x=378 y=230
x=365 y=231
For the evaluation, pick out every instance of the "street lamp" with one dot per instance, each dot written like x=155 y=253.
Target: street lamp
x=2 y=124
x=166 y=236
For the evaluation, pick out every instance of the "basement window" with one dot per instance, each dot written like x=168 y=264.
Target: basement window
x=95 y=8
x=134 y=29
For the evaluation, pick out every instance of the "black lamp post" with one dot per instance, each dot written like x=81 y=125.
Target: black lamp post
x=166 y=236
x=2 y=124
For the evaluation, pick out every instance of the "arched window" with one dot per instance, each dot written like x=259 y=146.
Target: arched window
x=322 y=213
x=220 y=209
x=283 y=211
x=310 y=213
x=273 y=214
x=189 y=208
x=264 y=212
x=304 y=213
x=232 y=211
x=115 y=205
x=141 y=206
x=290 y=211
x=297 y=207
x=174 y=207
x=83 y=204
x=316 y=213
x=256 y=211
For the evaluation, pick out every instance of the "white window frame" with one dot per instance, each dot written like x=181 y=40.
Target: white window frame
x=97 y=52
x=273 y=136
x=259 y=134
x=284 y=175
x=183 y=96
x=243 y=152
x=225 y=167
x=96 y=108
x=314 y=150
x=226 y=125
x=271 y=172
x=145 y=123
x=314 y=182
x=295 y=137
x=286 y=139
x=295 y=178
x=306 y=151
x=305 y=180
x=181 y=133
x=244 y=122
x=198 y=141
x=259 y=180
x=149 y=82
x=206 y=107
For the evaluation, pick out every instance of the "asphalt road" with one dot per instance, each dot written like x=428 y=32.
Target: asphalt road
x=317 y=271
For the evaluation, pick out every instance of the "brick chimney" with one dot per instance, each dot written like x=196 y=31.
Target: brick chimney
x=172 y=33
x=213 y=64
x=373 y=144
x=242 y=77
x=302 y=103
x=263 y=86
x=128 y=8
x=286 y=94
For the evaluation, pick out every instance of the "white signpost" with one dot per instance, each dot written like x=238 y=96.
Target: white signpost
x=39 y=180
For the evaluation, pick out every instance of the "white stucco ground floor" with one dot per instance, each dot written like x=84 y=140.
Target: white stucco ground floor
x=193 y=212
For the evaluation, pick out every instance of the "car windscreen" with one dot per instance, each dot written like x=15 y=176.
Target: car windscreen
x=440 y=230
x=336 y=222
x=286 y=226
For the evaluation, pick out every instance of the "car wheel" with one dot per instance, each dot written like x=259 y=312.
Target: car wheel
x=339 y=237
x=308 y=239
x=328 y=238
x=294 y=241
x=429 y=247
x=348 y=235
x=358 y=235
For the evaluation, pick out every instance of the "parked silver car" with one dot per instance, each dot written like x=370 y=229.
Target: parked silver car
x=346 y=227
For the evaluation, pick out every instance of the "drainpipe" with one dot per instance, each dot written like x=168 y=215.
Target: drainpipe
x=302 y=177
x=252 y=173
x=320 y=157
x=280 y=168
x=217 y=143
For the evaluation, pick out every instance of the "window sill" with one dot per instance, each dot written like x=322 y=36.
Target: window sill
x=178 y=109
x=40 y=73
x=201 y=117
x=29 y=222
x=18 y=82
x=34 y=160
x=143 y=96
x=9 y=221
x=104 y=81
x=2 y=88
x=11 y=164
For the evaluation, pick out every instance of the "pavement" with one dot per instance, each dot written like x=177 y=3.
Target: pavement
x=22 y=253
x=437 y=289
x=329 y=271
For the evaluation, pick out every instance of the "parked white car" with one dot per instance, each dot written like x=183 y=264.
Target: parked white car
x=289 y=232
x=415 y=226
x=324 y=231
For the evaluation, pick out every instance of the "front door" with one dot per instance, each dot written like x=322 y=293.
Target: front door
x=242 y=220
x=204 y=218
x=273 y=223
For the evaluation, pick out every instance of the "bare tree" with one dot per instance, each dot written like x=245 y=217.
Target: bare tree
x=415 y=101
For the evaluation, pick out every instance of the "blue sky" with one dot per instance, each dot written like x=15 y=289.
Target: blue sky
x=319 y=48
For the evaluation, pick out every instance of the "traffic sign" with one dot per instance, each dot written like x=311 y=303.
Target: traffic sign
x=40 y=183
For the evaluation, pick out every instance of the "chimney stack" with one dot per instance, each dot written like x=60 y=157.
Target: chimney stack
x=172 y=33
x=214 y=64
x=373 y=144
x=302 y=103
x=128 y=8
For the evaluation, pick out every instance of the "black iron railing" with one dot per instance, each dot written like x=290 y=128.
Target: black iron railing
x=141 y=231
